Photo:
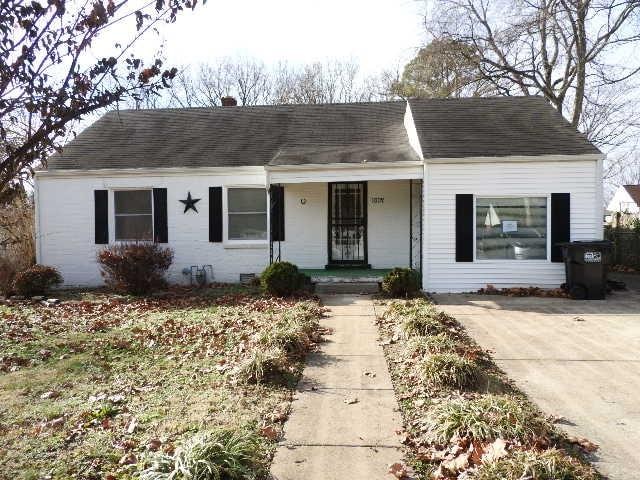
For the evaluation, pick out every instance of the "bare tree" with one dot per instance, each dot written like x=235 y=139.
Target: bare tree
x=246 y=80
x=562 y=49
x=331 y=82
x=252 y=83
x=48 y=79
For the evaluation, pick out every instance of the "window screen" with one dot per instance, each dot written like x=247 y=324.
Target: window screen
x=133 y=215
x=511 y=228
x=247 y=210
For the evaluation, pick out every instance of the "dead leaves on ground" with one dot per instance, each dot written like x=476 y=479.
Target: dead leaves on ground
x=524 y=292
x=398 y=470
x=202 y=337
x=461 y=456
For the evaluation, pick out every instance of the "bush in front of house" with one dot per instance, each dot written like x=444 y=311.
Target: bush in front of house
x=7 y=274
x=135 y=268
x=282 y=279
x=36 y=280
x=401 y=282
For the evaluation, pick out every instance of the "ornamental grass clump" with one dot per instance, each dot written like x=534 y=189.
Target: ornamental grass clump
x=222 y=454
x=419 y=317
x=295 y=333
x=550 y=464
x=262 y=364
x=449 y=370
x=440 y=343
x=488 y=418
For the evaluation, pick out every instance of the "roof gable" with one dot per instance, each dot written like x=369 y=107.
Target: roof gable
x=494 y=127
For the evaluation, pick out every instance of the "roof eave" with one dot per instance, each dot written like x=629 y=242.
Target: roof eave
x=520 y=158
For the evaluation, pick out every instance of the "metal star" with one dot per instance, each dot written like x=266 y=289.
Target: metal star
x=190 y=203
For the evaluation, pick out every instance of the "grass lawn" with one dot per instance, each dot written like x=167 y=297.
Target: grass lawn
x=98 y=385
x=462 y=417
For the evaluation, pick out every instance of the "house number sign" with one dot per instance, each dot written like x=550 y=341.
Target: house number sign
x=375 y=200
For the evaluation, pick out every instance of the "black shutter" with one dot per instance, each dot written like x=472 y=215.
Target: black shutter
x=215 y=214
x=160 y=225
x=277 y=213
x=101 y=205
x=560 y=223
x=464 y=227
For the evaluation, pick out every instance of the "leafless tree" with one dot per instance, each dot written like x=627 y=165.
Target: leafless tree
x=581 y=55
x=245 y=79
x=49 y=78
x=562 y=49
x=252 y=83
x=331 y=82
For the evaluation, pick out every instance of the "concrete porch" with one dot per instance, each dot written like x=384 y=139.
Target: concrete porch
x=346 y=280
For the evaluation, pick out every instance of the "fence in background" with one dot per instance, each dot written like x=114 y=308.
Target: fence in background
x=626 y=246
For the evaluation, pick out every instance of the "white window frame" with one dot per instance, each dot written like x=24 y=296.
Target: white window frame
x=112 y=216
x=512 y=260
x=231 y=243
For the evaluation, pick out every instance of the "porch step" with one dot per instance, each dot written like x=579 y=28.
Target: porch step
x=347 y=287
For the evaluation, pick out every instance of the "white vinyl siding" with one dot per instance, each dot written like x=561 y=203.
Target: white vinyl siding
x=306 y=217
x=535 y=179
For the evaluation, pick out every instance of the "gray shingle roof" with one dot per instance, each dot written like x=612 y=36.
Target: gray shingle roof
x=494 y=126
x=241 y=136
x=320 y=134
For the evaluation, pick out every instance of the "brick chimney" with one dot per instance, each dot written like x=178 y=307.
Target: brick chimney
x=229 y=101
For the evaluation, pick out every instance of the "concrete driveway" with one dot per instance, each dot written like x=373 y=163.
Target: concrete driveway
x=576 y=359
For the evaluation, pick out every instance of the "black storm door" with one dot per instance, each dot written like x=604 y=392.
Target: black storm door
x=348 y=223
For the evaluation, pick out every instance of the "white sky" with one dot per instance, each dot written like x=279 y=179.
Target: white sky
x=376 y=34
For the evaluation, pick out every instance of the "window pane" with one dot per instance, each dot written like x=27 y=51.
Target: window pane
x=247 y=200
x=248 y=226
x=132 y=201
x=134 y=227
x=511 y=228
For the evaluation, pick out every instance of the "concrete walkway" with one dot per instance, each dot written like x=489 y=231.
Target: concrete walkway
x=345 y=413
x=576 y=359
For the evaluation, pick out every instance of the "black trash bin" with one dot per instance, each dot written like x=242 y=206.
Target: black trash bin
x=586 y=264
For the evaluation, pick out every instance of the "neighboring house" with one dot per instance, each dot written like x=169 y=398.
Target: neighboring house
x=626 y=202
x=470 y=191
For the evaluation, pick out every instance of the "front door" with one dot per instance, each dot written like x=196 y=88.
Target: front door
x=348 y=223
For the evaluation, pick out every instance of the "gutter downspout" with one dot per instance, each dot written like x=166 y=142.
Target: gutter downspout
x=36 y=206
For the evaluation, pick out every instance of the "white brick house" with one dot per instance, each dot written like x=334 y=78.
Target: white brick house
x=470 y=191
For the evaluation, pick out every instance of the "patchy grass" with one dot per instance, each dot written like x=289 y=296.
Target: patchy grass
x=91 y=387
x=463 y=417
x=551 y=464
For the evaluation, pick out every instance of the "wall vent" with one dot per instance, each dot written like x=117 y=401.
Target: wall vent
x=247 y=278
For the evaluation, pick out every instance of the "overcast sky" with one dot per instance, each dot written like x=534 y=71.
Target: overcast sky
x=376 y=34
